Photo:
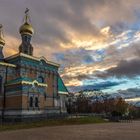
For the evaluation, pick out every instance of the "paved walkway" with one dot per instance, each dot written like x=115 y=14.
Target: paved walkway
x=107 y=131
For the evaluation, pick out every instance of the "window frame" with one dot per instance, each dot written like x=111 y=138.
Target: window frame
x=31 y=106
x=36 y=104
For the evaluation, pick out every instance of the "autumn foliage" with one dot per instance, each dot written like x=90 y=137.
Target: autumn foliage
x=112 y=106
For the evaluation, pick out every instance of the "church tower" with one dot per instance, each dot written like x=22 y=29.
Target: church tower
x=26 y=31
x=2 y=43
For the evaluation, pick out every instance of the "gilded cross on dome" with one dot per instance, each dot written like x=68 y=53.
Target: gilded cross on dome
x=26 y=11
x=26 y=28
x=27 y=18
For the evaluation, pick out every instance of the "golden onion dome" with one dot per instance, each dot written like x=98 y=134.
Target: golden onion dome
x=26 y=28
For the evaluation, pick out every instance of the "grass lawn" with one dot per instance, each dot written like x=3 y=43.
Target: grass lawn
x=68 y=121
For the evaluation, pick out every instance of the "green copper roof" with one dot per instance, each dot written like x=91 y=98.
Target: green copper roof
x=61 y=87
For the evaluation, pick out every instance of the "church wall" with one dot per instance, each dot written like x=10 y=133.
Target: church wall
x=11 y=74
x=33 y=91
x=13 y=96
x=7 y=73
x=2 y=78
x=45 y=94
x=49 y=89
x=55 y=85
x=25 y=102
x=42 y=102
x=13 y=89
x=30 y=70
x=49 y=102
x=14 y=102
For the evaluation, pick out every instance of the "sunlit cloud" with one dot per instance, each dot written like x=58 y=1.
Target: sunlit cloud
x=74 y=83
x=11 y=46
x=132 y=100
x=88 y=38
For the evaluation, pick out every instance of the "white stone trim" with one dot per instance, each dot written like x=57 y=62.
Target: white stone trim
x=7 y=64
x=22 y=54
x=62 y=92
x=49 y=62
x=29 y=56
x=34 y=58
x=30 y=83
x=23 y=112
x=34 y=82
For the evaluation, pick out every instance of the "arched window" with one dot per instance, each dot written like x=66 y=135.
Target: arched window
x=31 y=102
x=36 y=101
x=43 y=61
x=40 y=79
x=45 y=96
x=26 y=38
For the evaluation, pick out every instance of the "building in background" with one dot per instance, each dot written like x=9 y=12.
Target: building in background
x=29 y=86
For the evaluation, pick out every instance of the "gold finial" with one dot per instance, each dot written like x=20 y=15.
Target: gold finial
x=27 y=17
x=26 y=11
x=26 y=28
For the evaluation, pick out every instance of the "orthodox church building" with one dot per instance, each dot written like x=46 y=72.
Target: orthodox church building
x=29 y=86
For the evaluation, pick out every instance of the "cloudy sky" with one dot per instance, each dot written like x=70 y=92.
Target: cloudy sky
x=97 y=42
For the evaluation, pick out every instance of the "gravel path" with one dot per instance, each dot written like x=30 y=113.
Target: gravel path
x=106 y=131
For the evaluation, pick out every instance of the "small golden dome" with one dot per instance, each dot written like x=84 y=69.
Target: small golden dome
x=2 y=41
x=26 y=28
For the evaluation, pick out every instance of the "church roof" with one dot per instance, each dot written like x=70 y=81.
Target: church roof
x=25 y=80
x=40 y=59
x=61 y=87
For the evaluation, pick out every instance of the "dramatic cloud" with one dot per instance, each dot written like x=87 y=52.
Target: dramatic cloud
x=130 y=93
x=97 y=86
x=125 y=68
x=91 y=39
x=63 y=21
